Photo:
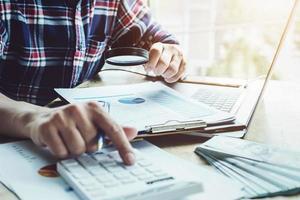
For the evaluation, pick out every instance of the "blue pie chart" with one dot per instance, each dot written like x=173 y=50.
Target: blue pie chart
x=132 y=100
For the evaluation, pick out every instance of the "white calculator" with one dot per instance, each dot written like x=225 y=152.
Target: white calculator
x=103 y=176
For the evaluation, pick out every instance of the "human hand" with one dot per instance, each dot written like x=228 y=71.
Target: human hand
x=166 y=60
x=73 y=129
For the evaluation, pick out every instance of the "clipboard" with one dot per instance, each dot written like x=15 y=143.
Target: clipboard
x=173 y=127
x=158 y=110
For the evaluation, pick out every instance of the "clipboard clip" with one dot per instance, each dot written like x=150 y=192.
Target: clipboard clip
x=176 y=126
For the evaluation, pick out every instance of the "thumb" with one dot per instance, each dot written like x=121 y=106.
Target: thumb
x=130 y=132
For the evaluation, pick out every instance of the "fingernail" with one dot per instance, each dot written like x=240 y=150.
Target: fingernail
x=156 y=72
x=169 y=80
x=166 y=75
x=130 y=158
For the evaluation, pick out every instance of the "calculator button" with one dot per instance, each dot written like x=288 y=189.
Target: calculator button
x=111 y=184
x=103 y=159
x=138 y=172
x=161 y=174
x=70 y=163
x=104 y=179
x=122 y=175
x=128 y=180
x=144 y=163
x=132 y=167
x=153 y=169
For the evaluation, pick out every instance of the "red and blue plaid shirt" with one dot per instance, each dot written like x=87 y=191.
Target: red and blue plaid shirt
x=61 y=43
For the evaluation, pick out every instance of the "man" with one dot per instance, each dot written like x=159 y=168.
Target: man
x=60 y=43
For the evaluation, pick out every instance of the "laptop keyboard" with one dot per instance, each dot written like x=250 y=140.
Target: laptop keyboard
x=221 y=99
x=104 y=176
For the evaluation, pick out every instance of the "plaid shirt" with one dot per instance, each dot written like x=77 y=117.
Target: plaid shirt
x=60 y=43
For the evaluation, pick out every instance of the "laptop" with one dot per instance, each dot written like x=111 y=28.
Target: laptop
x=238 y=99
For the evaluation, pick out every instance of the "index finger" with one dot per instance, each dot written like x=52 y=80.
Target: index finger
x=115 y=133
x=154 y=55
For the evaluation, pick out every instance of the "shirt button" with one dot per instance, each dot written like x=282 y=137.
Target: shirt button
x=80 y=46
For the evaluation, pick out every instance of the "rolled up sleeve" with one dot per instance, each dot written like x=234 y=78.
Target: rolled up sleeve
x=134 y=26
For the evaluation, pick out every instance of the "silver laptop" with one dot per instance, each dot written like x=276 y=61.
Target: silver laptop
x=240 y=100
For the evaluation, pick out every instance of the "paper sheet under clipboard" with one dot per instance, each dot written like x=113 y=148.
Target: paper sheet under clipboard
x=146 y=106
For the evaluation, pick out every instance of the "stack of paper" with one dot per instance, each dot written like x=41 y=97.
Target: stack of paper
x=263 y=171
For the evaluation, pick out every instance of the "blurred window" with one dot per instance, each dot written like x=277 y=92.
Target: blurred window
x=232 y=38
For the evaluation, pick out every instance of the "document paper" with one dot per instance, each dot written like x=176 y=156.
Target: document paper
x=141 y=105
x=30 y=171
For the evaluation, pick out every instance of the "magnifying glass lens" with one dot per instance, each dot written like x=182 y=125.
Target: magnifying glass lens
x=127 y=59
x=127 y=56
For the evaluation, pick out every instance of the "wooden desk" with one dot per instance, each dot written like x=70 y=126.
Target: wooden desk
x=275 y=121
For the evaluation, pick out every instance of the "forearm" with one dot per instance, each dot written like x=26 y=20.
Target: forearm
x=14 y=116
x=155 y=33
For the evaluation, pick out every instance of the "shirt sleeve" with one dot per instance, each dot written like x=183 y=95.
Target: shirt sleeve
x=134 y=26
x=3 y=38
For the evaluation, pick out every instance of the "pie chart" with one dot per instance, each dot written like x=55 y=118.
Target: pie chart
x=132 y=100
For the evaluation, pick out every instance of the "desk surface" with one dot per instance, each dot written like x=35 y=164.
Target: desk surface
x=275 y=121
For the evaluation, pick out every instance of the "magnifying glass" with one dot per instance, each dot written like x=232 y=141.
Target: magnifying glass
x=127 y=56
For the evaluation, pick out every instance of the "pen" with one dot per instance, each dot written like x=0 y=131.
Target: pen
x=101 y=134
x=101 y=140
